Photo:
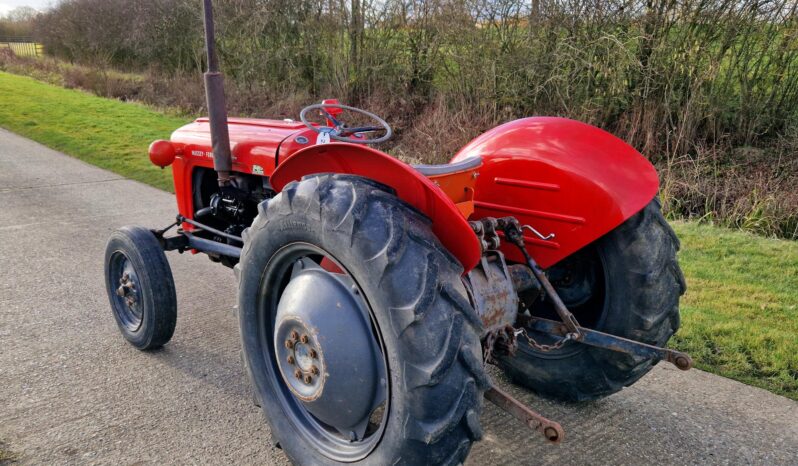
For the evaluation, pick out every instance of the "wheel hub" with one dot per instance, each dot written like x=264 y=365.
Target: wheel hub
x=129 y=302
x=326 y=351
x=302 y=360
x=127 y=289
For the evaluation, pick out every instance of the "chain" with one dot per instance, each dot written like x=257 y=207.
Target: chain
x=486 y=230
x=546 y=348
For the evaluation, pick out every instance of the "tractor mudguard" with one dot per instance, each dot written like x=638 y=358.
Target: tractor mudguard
x=561 y=177
x=448 y=224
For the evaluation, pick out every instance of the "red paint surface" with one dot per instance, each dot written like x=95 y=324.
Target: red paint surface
x=559 y=176
x=255 y=144
x=162 y=153
x=448 y=224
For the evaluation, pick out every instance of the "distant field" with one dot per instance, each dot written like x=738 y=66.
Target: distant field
x=739 y=316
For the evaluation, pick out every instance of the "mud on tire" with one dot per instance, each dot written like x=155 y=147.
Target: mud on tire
x=643 y=283
x=413 y=286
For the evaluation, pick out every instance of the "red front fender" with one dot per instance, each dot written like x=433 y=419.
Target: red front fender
x=559 y=176
x=448 y=223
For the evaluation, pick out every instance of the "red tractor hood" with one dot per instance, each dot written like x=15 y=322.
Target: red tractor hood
x=253 y=141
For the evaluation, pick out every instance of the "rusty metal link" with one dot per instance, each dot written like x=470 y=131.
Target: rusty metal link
x=486 y=231
x=501 y=341
x=513 y=231
x=546 y=348
x=551 y=430
x=488 y=344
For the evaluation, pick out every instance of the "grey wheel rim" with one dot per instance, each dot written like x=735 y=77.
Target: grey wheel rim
x=306 y=364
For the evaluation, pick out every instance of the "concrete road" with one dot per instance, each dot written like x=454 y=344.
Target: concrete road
x=73 y=392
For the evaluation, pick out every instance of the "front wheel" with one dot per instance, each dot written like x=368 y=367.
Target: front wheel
x=627 y=283
x=140 y=287
x=357 y=333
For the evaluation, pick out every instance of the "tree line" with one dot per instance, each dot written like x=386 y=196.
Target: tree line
x=661 y=73
x=687 y=82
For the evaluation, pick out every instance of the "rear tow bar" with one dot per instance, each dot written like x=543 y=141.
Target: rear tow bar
x=607 y=341
x=553 y=432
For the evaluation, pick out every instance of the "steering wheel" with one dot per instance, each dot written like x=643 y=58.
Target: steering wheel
x=340 y=131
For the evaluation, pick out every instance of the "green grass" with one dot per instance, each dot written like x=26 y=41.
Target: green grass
x=107 y=133
x=740 y=313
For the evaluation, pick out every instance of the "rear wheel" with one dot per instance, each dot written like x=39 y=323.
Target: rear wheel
x=140 y=287
x=628 y=284
x=357 y=333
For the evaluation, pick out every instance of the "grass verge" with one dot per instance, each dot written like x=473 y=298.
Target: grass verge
x=740 y=313
x=110 y=134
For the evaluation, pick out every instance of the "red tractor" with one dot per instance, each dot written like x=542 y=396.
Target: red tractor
x=372 y=293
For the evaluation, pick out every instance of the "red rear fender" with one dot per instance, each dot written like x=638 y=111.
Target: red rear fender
x=448 y=223
x=559 y=176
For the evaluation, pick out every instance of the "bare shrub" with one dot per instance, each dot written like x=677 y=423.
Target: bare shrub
x=687 y=83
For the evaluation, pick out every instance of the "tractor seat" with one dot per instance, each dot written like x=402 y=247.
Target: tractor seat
x=449 y=168
x=457 y=180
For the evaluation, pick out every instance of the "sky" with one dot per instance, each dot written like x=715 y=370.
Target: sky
x=8 y=5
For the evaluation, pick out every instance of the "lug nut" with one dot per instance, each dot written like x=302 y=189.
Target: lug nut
x=289 y=344
x=313 y=353
x=290 y=360
x=120 y=291
x=294 y=335
x=298 y=374
x=305 y=339
x=314 y=370
x=308 y=379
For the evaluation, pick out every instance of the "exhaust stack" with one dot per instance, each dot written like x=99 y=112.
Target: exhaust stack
x=217 y=111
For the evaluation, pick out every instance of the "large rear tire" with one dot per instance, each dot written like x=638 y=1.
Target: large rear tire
x=634 y=284
x=426 y=331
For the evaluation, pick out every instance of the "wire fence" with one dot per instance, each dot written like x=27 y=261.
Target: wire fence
x=22 y=46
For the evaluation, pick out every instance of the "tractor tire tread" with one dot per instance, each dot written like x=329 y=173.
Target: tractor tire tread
x=441 y=384
x=155 y=278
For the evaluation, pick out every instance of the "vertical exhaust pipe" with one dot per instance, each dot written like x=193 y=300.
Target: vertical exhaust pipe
x=217 y=111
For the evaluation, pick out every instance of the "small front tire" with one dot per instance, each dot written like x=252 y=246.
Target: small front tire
x=140 y=287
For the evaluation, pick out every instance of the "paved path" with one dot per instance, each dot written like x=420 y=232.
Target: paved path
x=72 y=391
